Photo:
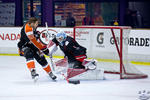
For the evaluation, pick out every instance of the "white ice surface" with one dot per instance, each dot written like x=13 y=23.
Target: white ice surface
x=16 y=84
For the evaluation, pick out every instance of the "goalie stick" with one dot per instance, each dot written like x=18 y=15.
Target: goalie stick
x=68 y=81
x=46 y=36
x=53 y=64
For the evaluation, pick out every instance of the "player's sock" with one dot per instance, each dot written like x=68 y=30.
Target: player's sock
x=30 y=64
x=31 y=67
x=48 y=70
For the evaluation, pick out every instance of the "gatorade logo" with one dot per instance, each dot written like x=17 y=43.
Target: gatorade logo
x=100 y=38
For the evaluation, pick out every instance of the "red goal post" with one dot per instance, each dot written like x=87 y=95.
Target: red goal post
x=111 y=44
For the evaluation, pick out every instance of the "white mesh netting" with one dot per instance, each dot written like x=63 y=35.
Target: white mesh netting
x=102 y=45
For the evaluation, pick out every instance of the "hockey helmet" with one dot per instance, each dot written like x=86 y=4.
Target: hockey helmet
x=61 y=36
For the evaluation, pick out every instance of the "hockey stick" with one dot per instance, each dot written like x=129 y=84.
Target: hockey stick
x=68 y=81
x=52 y=64
x=46 y=30
x=44 y=35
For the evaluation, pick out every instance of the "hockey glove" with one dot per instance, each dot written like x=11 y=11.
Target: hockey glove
x=37 y=34
x=21 y=53
x=46 y=51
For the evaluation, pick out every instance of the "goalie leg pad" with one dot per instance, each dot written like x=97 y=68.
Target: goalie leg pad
x=82 y=74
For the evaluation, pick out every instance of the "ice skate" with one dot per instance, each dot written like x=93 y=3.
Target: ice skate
x=91 y=65
x=53 y=77
x=34 y=75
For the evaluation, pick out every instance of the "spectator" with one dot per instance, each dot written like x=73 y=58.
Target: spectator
x=134 y=21
x=98 y=19
x=128 y=18
x=139 y=19
x=88 y=20
x=115 y=22
x=70 y=21
x=36 y=12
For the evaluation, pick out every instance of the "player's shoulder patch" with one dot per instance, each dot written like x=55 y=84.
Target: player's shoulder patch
x=66 y=43
x=28 y=28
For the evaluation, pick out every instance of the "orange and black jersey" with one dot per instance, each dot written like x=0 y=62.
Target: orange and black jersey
x=28 y=38
x=24 y=40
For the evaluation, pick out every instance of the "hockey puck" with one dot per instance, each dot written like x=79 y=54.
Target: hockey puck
x=74 y=81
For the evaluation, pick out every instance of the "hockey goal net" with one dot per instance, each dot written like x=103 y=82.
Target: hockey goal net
x=108 y=44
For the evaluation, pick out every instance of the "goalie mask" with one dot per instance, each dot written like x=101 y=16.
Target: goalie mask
x=60 y=37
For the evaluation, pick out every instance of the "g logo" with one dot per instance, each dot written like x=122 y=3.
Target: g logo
x=100 y=38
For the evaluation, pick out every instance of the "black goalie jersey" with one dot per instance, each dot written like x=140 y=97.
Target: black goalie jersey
x=72 y=50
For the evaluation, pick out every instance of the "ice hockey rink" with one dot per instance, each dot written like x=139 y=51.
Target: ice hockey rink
x=16 y=84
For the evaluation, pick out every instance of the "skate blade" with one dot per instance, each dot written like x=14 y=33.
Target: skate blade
x=91 y=67
x=54 y=80
x=36 y=79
